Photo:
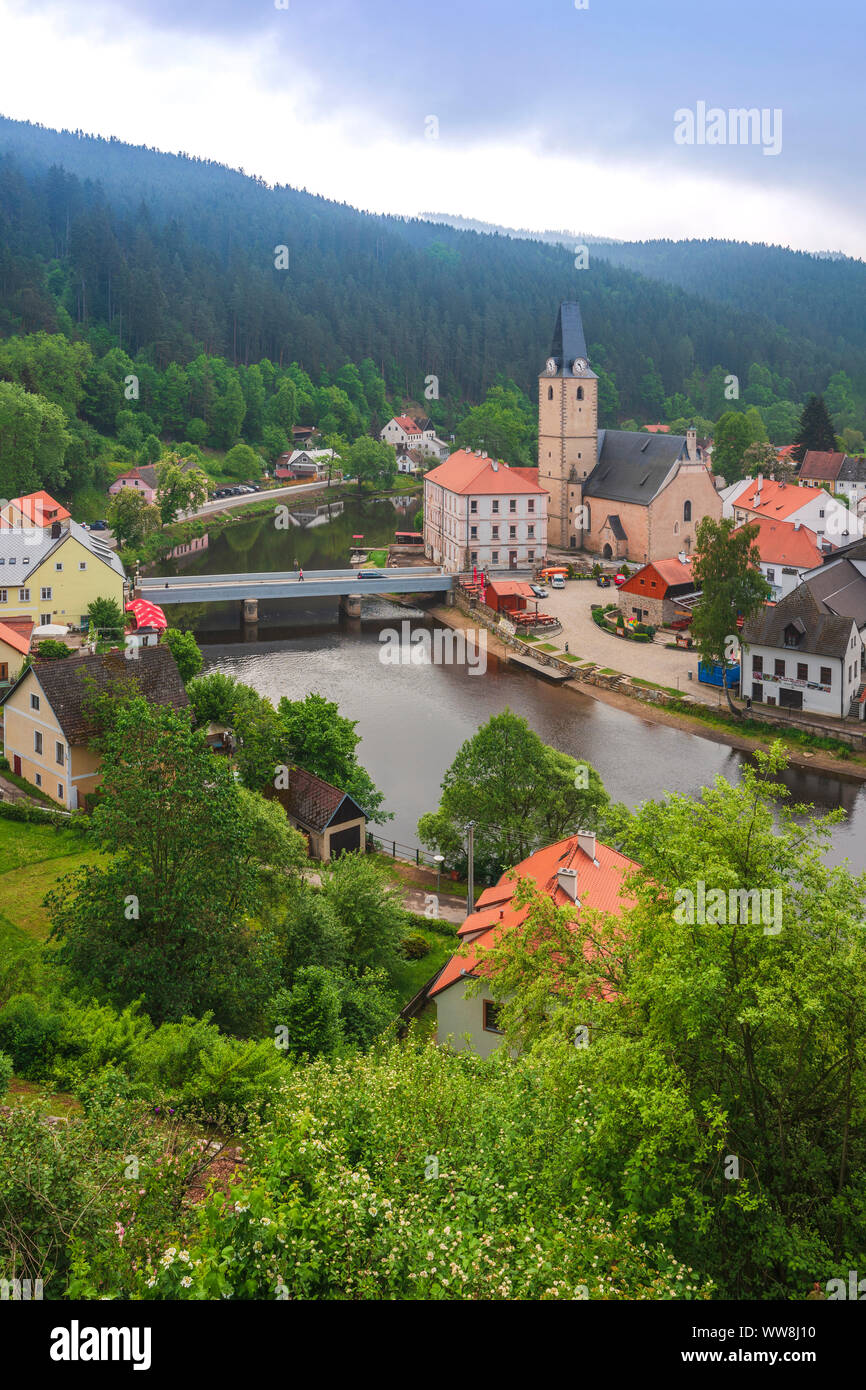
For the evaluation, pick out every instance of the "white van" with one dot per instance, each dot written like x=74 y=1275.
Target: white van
x=557 y=582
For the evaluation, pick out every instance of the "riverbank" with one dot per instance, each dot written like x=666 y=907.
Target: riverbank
x=853 y=769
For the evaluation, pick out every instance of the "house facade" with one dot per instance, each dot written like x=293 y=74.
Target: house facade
x=47 y=720
x=653 y=594
x=14 y=646
x=756 y=498
x=53 y=575
x=402 y=432
x=578 y=872
x=480 y=512
x=617 y=494
x=788 y=551
x=851 y=484
x=820 y=468
x=800 y=656
x=142 y=480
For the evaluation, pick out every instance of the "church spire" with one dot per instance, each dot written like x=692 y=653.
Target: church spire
x=569 y=342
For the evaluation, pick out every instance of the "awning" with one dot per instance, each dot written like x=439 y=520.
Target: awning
x=147 y=614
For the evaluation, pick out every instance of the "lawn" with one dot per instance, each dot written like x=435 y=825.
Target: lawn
x=32 y=858
x=412 y=974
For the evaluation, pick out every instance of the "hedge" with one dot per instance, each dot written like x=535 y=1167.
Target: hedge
x=15 y=810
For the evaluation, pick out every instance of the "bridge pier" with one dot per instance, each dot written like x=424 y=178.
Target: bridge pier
x=350 y=605
x=250 y=610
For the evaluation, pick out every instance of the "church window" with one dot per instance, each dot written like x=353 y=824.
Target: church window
x=580 y=393
x=687 y=511
x=550 y=393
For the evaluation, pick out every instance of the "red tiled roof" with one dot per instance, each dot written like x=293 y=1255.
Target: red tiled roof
x=777 y=500
x=823 y=465
x=40 y=508
x=780 y=543
x=14 y=639
x=658 y=429
x=465 y=472
x=671 y=572
x=408 y=424
x=503 y=587
x=599 y=886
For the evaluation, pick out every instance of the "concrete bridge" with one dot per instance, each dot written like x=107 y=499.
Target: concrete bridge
x=348 y=585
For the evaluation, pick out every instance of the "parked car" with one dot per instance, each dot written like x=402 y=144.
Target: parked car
x=539 y=590
x=619 y=580
x=557 y=582
x=603 y=581
x=99 y=526
x=252 y=487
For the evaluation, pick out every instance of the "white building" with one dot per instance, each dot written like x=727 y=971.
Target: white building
x=851 y=484
x=814 y=507
x=402 y=432
x=481 y=512
x=788 y=551
x=800 y=656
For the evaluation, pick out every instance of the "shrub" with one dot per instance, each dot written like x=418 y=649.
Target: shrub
x=30 y=1032
x=50 y=650
x=6 y=1069
x=414 y=946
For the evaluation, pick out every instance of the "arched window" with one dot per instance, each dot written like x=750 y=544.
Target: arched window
x=550 y=393
x=580 y=393
x=687 y=511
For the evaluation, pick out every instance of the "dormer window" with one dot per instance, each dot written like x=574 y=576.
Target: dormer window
x=792 y=636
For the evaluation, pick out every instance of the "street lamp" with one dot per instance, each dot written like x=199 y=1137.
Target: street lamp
x=438 y=860
x=470 y=875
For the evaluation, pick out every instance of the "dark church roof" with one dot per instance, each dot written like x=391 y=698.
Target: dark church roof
x=569 y=341
x=616 y=527
x=633 y=467
x=822 y=633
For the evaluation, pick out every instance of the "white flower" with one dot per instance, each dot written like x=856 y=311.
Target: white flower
x=186 y=1281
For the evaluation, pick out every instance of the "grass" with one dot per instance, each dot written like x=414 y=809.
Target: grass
x=546 y=647
x=568 y=656
x=51 y=1102
x=668 y=689
x=377 y=559
x=412 y=974
x=768 y=733
x=606 y=671
x=32 y=858
x=24 y=786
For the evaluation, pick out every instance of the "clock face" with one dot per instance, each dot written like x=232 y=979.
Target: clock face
x=579 y=365
x=551 y=364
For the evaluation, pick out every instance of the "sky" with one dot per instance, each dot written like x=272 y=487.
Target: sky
x=527 y=113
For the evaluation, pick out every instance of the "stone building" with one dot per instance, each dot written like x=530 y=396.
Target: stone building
x=618 y=494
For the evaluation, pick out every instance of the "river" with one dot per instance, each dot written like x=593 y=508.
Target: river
x=413 y=719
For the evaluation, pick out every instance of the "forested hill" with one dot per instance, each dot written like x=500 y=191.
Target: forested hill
x=167 y=256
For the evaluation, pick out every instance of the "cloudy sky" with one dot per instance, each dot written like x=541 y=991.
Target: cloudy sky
x=546 y=115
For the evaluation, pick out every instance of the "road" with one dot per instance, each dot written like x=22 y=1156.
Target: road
x=225 y=504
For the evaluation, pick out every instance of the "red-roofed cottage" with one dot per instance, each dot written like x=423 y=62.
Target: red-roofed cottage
x=579 y=872
x=479 y=512
x=653 y=595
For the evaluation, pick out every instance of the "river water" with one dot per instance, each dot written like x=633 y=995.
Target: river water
x=412 y=719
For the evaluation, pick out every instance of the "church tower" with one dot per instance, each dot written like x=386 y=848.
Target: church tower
x=567 y=428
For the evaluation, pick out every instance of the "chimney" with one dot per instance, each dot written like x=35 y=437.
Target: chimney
x=484 y=453
x=797 y=525
x=494 y=464
x=586 y=842
x=760 y=484
x=56 y=530
x=567 y=880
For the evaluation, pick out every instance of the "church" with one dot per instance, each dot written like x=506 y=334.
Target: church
x=617 y=494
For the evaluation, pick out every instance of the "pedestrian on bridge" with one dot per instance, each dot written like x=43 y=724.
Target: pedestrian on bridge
x=301 y=575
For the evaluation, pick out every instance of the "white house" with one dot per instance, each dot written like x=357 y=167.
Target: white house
x=480 y=512
x=814 y=507
x=800 y=656
x=578 y=872
x=851 y=484
x=788 y=551
x=403 y=432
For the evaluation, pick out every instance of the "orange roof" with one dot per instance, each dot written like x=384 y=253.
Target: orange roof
x=599 y=886
x=777 y=500
x=658 y=429
x=781 y=543
x=465 y=472
x=40 y=508
x=503 y=587
x=14 y=639
x=408 y=424
x=671 y=572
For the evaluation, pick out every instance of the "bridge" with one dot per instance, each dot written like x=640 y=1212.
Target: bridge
x=348 y=585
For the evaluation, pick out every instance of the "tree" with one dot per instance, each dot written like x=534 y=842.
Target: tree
x=310 y=1013
x=185 y=651
x=192 y=856
x=503 y=425
x=324 y=742
x=815 y=430
x=131 y=517
x=180 y=488
x=242 y=462
x=369 y=915
x=519 y=792
x=33 y=442
x=106 y=617
x=371 y=461
x=726 y=568
x=731 y=439
x=150 y=451
x=722 y=1013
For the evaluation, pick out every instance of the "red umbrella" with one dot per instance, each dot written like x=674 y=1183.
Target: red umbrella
x=474 y=574
x=147 y=614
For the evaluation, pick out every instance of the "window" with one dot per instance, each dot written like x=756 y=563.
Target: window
x=771 y=576
x=491 y=1017
x=38 y=779
x=826 y=675
x=59 y=754
x=512 y=533
x=82 y=564
x=473 y=557
x=530 y=506
x=779 y=666
x=580 y=393
x=496 y=506
x=34 y=701
x=473 y=533
x=23 y=595
x=757 y=663
x=37 y=741
x=687 y=511
x=530 y=555
x=653 y=584
x=821 y=512
x=494 y=532
x=45 y=594
x=550 y=393
x=473 y=507
x=59 y=565
x=4 y=595
x=802 y=671
x=60 y=791
x=494 y=557
x=512 y=505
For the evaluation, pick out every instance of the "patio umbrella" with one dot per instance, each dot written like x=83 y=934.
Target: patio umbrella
x=474 y=575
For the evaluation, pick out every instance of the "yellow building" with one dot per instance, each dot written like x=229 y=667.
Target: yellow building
x=52 y=575
x=47 y=721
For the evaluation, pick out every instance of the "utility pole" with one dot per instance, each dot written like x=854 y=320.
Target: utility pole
x=470 y=875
